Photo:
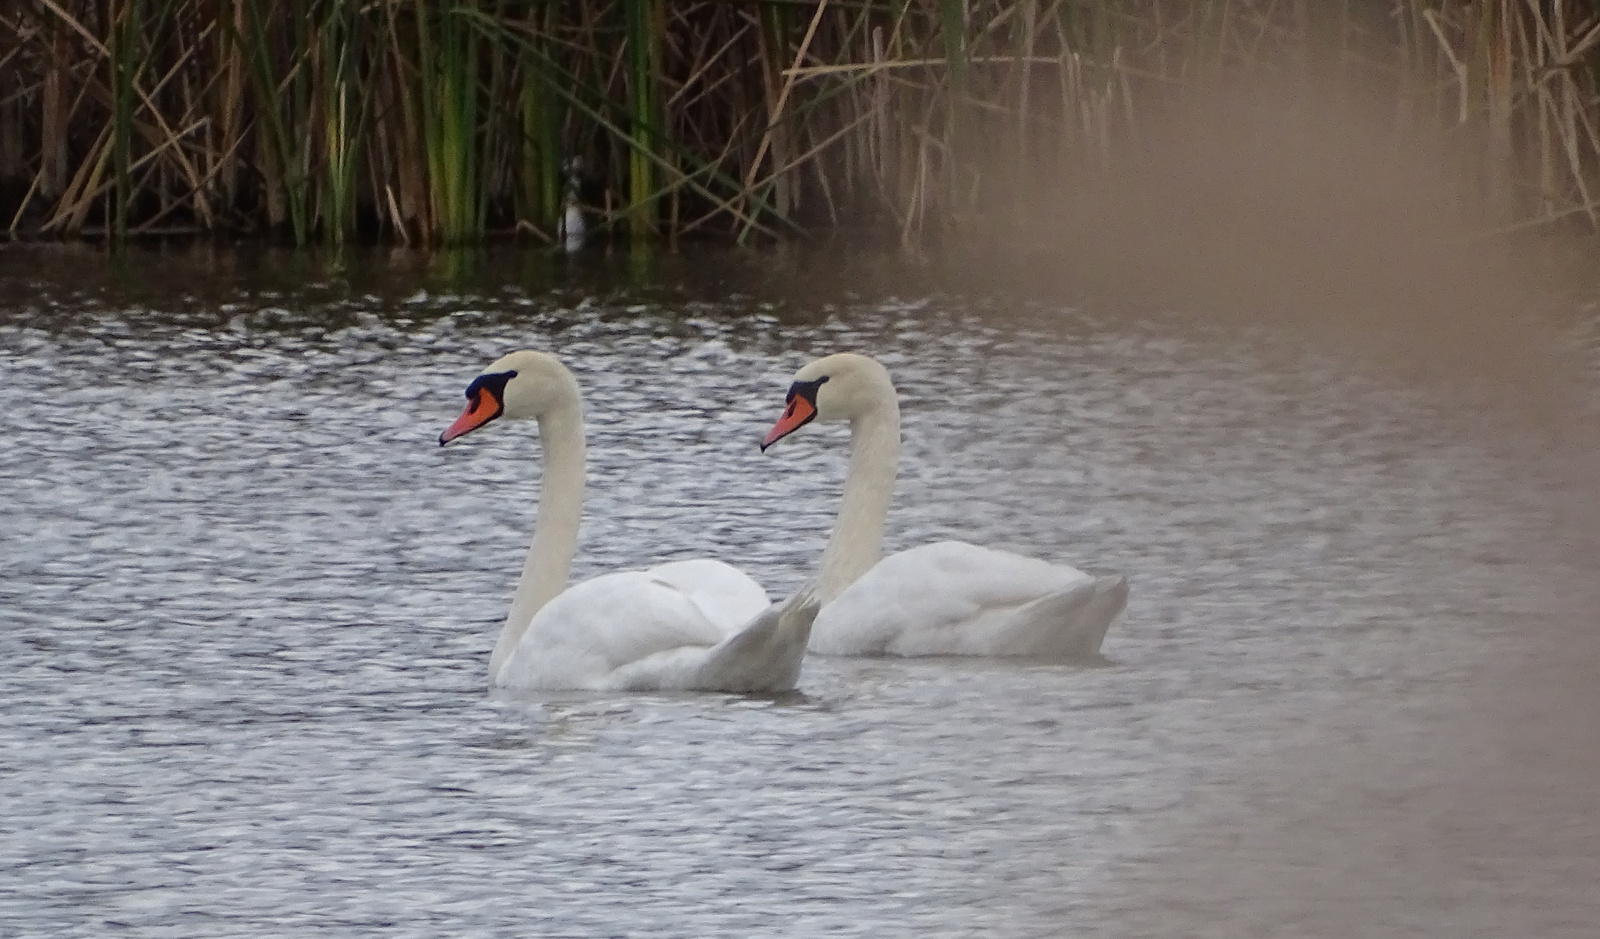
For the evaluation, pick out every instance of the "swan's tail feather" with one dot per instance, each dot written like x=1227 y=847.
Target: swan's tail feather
x=1107 y=605
x=765 y=655
x=1073 y=623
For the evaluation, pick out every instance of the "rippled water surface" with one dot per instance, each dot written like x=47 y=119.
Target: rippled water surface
x=247 y=602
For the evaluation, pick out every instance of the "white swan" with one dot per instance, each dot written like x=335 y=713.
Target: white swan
x=691 y=625
x=949 y=598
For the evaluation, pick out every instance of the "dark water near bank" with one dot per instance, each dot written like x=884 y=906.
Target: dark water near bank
x=246 y=602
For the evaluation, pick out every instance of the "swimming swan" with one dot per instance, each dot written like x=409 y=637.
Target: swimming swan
x=948 y=598
x=694 y=625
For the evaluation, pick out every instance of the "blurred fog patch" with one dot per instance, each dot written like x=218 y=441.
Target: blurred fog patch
x=1306 y=213
x=1303 y=208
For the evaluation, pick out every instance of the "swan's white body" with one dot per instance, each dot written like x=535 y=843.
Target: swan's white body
x=656 y=629
x=696 y=625
x=954 y=598
x=949 y=598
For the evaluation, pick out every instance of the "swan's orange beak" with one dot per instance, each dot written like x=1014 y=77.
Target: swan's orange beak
x=484 y=407
x=796 y=414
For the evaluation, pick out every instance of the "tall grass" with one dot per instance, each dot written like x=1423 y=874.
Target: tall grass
x=448 y=121
x=540 y=179
x=446 y=83
x=642 y=25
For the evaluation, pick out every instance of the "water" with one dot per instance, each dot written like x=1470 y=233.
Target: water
x=248 y=601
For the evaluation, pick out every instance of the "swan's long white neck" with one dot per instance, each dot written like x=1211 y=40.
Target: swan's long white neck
x=555 y=534
x=857 y=538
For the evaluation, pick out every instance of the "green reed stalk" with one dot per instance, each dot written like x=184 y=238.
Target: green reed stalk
x=124 y=58
x=641 y=23
x=953 y=31
x=228 y=110
x=775 y=23
x=302 y=128
x=341 y=122
x=428 y=98
x=497 y=127
x=55 y=116
x=282 y=138
x=539 y=173
x=449 y=95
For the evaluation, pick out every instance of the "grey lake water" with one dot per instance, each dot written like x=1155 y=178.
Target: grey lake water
x=246 y=603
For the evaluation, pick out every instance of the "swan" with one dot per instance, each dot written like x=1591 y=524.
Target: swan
x=947 y=598
x=697 y=625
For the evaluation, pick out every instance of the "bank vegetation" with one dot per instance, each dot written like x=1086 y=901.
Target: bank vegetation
x=448 y=121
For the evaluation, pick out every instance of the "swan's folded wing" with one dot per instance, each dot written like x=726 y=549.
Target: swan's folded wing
x=949 y=598
x=969 y=575
x=727 y=596
x=597 y=626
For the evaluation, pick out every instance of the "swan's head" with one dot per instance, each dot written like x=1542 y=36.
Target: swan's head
x=517 y=387
x=835 y=388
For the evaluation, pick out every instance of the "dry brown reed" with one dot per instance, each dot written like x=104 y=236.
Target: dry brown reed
x=448 y=121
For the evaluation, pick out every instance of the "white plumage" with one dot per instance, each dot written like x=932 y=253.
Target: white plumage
x=949 y=598
x=697 y=625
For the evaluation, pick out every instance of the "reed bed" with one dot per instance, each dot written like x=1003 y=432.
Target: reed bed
x=435 y=122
